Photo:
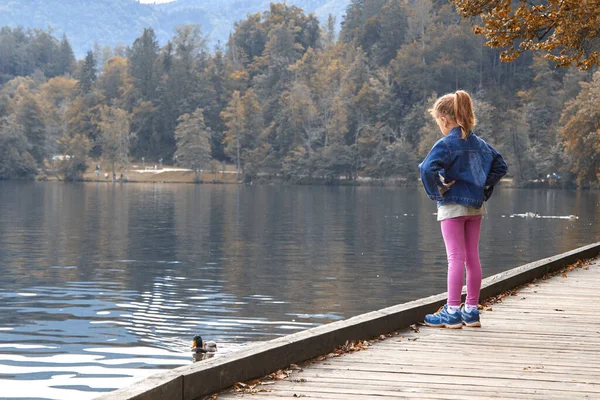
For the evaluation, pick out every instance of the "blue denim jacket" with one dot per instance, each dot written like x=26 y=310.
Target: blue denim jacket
x=472 y=163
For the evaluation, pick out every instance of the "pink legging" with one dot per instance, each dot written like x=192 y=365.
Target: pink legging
x=461 y=236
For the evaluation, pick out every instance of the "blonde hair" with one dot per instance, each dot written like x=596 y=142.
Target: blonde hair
x=457 y=106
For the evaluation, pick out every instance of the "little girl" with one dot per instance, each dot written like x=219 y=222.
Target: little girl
x=460 y=172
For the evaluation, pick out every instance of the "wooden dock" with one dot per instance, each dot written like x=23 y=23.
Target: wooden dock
x=540 y=342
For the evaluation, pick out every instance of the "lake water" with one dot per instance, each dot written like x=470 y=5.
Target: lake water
x=102 y=284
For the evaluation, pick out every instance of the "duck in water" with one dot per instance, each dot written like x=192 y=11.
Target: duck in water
x=202 y=350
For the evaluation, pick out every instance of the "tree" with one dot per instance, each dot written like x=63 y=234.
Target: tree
x=143 y=117
x=15 y=160
x=281 y=51
x=393 y=27
x=88 y=73
x=566 y=31
x=193 y=142
x=581 y=132
x=30 y=117
x=337 y=123
x=75 y=150
x=352 y=20
x=330 y=35
x=142 y=60
x=66 y=58
x=116 y=136
x=115 y=84
x=55 y=97
x=543 y=108
x=218 y=96
x=83 y=116
x=304 y=116
x=234 y=121
x=248 y=40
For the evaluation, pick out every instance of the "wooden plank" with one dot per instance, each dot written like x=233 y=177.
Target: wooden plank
x=443 y=388
x=356 y=370
x=481 y=343
x=386 y=377
x=468 y=365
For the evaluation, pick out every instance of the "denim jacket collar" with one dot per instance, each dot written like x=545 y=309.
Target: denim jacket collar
x=455 y=132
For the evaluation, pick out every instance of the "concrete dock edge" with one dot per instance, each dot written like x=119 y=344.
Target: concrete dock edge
x=209 y=376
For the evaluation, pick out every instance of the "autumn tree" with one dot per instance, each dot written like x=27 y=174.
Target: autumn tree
x=193 y=142
x=306 y=122
x=83 y=116
x=116 y=136
x=566 y=31
x=55 y=97
x=581 y=132
x=115 y=84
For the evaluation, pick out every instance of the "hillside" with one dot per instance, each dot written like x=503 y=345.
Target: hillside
x=120 y=22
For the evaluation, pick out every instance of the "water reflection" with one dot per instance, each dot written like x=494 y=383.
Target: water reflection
x=104 y=284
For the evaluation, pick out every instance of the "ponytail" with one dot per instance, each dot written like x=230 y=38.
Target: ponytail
x=463 y=112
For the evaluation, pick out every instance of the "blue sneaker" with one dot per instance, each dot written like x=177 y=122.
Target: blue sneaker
x=470 y=319
x=443 y=319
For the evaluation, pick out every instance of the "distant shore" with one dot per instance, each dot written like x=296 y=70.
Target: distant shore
x=227 y=174
x=230 y=176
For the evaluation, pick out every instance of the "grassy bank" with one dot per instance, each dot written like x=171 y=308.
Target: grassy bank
x=166 y=175
x=227 y=174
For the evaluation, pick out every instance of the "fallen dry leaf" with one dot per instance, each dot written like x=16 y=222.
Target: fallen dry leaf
x=533 y=367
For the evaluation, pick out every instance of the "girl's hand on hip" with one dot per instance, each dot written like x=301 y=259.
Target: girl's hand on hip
x=446 y=187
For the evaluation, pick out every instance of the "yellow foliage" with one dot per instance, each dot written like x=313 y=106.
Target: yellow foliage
x=566 y=31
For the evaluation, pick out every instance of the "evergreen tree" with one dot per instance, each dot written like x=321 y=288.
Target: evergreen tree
x=66 y=58
x=15 y=160
x=330 y=35
x=217 y=80
x=142 y=63
x=88 y=73
x=235 y=122
x=393 y=26
x=353 y=20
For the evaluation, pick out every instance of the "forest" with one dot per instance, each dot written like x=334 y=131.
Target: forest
x=288 y=95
